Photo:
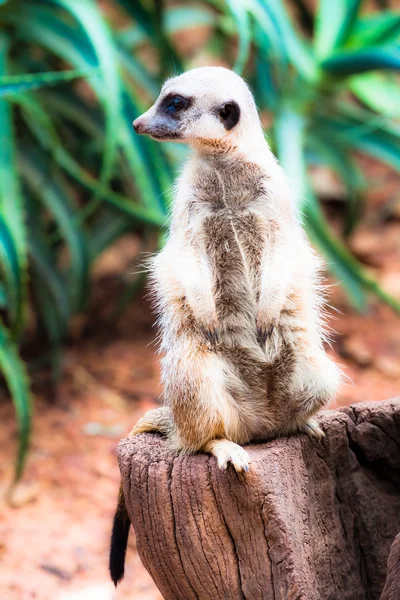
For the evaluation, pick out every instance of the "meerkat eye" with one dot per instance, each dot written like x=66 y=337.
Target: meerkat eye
x=176 y=103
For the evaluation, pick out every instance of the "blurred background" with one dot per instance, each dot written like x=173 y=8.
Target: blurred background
x=83 y=201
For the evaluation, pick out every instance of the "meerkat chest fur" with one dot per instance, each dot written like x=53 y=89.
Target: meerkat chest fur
x=231 y=215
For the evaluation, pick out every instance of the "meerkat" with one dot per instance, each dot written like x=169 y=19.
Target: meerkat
x=236 y=287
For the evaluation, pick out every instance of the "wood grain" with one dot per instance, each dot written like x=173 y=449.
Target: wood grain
x=310 y=521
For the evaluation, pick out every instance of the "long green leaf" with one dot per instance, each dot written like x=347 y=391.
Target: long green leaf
x=13 y=370
x=152 y=24
x=41 y=126
x=138 y=72
x=92 y=22
x=290 y=41
x=93 y=48
x=377 y=91
x=376 y=28
x=53 y=193
x=13 y=234
x=50 y=286
x=337 y=156
x=334 y=23
x=240 y=14
x=348 y=62
x=12 y=84
x=65 y=106
x=370 y=139
x=343 y=264
x=13 y=275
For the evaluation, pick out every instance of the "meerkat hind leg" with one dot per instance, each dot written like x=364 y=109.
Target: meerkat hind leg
x=226 y=451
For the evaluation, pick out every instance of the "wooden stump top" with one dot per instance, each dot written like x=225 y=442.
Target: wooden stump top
x=311 y=520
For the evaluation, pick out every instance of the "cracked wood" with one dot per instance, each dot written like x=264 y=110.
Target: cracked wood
x=310 y=521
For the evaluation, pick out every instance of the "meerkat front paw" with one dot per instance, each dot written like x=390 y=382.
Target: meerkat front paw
x=266 y=323
x=313 y=430
x=229 y=452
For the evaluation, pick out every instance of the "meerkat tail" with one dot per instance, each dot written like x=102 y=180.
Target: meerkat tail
x=156 y=420
x=119 y=539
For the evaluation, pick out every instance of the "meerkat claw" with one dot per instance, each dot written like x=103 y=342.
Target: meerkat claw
x=313 y=430
x=229 y=452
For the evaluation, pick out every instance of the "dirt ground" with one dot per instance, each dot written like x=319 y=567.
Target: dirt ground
x=54 y=537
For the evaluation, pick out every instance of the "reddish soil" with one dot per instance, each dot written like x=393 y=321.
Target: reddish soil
x=54 y=537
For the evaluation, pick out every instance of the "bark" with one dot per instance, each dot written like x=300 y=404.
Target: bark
x=311 y=520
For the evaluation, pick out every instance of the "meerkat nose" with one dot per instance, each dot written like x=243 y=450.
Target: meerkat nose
x=137 y=125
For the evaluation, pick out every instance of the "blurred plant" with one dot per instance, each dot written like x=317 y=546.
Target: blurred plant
x=74 y=177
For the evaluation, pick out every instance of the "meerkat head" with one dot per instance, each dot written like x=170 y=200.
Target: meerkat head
x=209 y=106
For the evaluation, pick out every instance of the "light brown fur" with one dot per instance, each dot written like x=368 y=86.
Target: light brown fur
x=243 y=356
x=236 y=286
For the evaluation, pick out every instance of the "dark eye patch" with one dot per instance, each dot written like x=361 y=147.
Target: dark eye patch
x=229 y=114
x=174 y=103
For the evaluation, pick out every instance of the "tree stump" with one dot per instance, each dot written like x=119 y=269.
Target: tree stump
x=311 y=520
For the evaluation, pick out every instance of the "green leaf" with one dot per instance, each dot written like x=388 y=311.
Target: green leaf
x=286 y=38
x=13 y=234
x=55 y=105
x=12 y=84
x=41 y=126
x=289 y=132
x=340 y=262
x=14 y=373
x=139 y=14
x=290 y=136
x=337 y=156
x=370 y=138
x=153 y=25
x=376 y=28
x=92 y=22
x=349 y=62
x=12 y=273
x=378 y=91
x=265 y=83
x=334 y=23
x=55 y=196
x=272 y=60
x=91 y=46
x=139 y=73
x=239 y=12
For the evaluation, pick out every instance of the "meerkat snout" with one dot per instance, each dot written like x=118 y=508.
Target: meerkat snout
x=201 y=106
x=138 y=126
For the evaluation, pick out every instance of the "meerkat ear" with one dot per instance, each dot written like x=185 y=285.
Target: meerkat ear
x=229 y=113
